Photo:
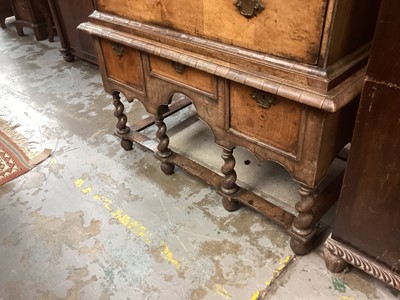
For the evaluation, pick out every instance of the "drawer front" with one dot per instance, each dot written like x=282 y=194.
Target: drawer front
x=271 y=120
x=290 y=28
x=183 y=75
x=123 y=64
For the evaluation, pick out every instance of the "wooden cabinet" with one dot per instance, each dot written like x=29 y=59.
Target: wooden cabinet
x=5 y=12
x=36 y=15
x=366 y=232
x=67 y=15
x=280 y=78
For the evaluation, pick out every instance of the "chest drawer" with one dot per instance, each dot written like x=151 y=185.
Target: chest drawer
x=270 y=119
x=290 y=28
x=183 y=75
x=123 y=64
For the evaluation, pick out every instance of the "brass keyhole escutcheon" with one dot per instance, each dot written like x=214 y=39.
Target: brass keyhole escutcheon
x=178 y=67
x=263 y=99
x=249 y=8
x=118 y=49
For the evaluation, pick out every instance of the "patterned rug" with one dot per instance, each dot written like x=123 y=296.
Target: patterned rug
x=13 y=161
x=15 y=157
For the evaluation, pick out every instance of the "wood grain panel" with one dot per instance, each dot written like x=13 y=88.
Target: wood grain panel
x=278 y=125
x=126 y=68
x=291 y=28
x=189 y=77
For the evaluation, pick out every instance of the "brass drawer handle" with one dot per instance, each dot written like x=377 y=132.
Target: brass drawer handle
x=264 y=100
x=178 y=67
x=249 y=8
x=118 y=49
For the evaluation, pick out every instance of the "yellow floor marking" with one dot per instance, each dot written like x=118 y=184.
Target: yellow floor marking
x=169 y=256
x=255 y=295
x=106 y=202
x=132 y=225
x=128 y=222
x=347 y=298
x=283 y=262
x=222 y=291
x=79 y=182
x=88 y=190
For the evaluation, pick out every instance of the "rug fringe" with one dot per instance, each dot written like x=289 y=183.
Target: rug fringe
x=19 y=139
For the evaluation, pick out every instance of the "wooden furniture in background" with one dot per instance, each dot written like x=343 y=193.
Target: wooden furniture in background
x=5 y=12
x=67 y=15
x=36 y=15
x=280 y=78
x=366 y=231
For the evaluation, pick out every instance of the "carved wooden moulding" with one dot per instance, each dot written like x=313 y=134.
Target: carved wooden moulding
x=336 y=256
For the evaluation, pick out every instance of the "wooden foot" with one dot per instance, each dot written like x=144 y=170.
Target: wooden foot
x=167 y=168
x=126 y=144
x=333 y=263
x=301 y=247
x=68 y=56
x=231 y=205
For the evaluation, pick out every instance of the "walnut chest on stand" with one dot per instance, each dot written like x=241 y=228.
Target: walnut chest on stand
x=280 y=78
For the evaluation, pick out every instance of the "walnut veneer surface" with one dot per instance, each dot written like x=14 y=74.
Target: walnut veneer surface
x=279 y=78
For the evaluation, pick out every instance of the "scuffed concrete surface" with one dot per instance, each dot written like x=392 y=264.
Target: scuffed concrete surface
x=96 y=222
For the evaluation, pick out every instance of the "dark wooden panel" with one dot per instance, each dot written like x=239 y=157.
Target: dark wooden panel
x=354 y=24
x=68 y=14
x=5 y=11
x=368 y=216
x=385 y=65
x=35 y=15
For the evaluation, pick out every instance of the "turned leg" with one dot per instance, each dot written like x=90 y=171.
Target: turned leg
x=303 y=224
x=122 y=119
x=162 y=148
x=20 y=29
x=334 y=263
x=228 y=184
x=48 y=19
x=39 y=32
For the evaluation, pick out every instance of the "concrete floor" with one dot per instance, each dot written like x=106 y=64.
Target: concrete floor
x=96 y=222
